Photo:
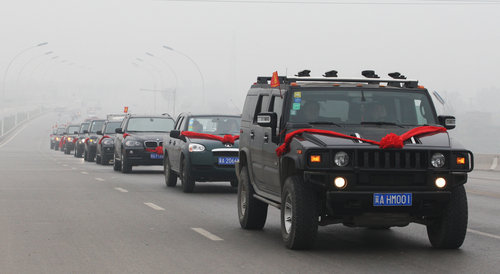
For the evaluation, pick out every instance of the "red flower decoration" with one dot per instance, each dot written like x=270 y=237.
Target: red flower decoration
x=158 y=150
x=391 y=140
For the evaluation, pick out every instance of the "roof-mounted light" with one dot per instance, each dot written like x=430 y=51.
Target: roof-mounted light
x=331 y=73
x=369 y=74
x=304 y=73
x=396 y=75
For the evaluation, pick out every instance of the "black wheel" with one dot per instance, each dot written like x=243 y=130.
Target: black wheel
x=234 y=183
x=117 y=166
x=252 y=213
x=448 y=232
x=85 y=156
x=170 y=176
x=98 y=159
x=51 y=145
x=103 y=160
x=188 y=182
x=125 y=166
x=67 y=150
x=299 y=217
x=90 y=157
x=56 y=147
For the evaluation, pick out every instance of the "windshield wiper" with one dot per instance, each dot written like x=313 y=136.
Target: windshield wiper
x=324 y=123
x=380 y=123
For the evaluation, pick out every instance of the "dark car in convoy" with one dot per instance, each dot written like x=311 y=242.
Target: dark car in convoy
x=197 y=151
x=80 y=142
x=69 y=139
x=57 y=136
x=106 y=144
x=52 y=138
x=91 y=140
x=139 y=141
x=365 y=152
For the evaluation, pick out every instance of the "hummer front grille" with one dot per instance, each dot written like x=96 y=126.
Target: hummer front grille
x=378 y=159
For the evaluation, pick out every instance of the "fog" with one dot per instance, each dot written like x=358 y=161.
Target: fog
x=96 y=53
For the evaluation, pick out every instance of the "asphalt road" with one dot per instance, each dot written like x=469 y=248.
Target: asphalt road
x=61 y=215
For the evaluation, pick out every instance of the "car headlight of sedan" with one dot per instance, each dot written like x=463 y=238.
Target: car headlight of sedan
x=69 y=139
x=132 y=143
x=108 y=141
x=341 y=159
x=196 y=147
x=437 y=160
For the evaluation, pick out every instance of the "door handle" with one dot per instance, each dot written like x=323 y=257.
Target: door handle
x=252 y=134
x=174 y=143
x=266 y=138
x=170 y=142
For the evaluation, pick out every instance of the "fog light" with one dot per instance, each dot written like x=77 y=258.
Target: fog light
x=440 y=182
x=340 y=182
x=130 y=152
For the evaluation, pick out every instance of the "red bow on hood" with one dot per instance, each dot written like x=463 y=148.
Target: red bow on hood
x=227 y=139
x=158 y=150
x=391 y=140
x=102 y=138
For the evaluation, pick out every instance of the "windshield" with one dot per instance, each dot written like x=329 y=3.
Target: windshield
x=96 y=125
x=71 y=130
x=361 y=107
x=218 y=125
x=111 y=126
x=147 y=124
x=60 y=131
x=84 y=126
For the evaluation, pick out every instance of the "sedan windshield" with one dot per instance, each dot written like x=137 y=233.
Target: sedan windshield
x=218 y=125
x=147 y=124
x=110 y=127
x=96 y=125
x=336 y=107
x=71 y=130
x=84 y=126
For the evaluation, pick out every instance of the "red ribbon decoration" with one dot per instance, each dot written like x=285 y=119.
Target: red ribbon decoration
x=158 y=150
x=102 y=138
x=74 y=140
x=391 y=140
x=227 y=139
x=125 y=135
x=86 y=140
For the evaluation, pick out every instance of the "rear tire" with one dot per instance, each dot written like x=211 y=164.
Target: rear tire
x=188 y=182
x=252 y=213
x=448 y=232
x=170 y=176
x=299 y=217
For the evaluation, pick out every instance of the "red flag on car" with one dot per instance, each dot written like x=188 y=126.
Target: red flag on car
x=275 y=81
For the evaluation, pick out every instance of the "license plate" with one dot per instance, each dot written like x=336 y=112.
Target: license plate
x=392 y=199
x=156 y=156
x=228 y=160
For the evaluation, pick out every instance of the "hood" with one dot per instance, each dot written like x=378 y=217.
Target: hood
x=211 y=144
x=146 y=136
x=375 y=133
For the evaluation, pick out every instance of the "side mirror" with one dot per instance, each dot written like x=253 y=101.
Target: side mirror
x=99 y=132
x=64 y=133
x=449 y=122
x=175 y=133
x=75 y=132
x=85 y=131
x=119 y=130
x=267 y=119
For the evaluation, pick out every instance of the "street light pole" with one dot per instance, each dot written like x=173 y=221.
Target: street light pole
x=12 y=61
x=169 y=67
x=19 y=74
x=197 y=67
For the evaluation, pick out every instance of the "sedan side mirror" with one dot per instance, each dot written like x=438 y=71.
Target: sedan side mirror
x=449 y=122
x=99 y=132
x=175 y=133
x=119 y=130
x=75 y=132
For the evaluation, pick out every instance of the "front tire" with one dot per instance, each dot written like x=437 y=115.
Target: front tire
x=234 y=183
x=448 y=232
x=98 y=159
x=252 y=212
x=125 y=166
x=188 y=182
x=116 y=164
x=170 y=176
x=299 y=217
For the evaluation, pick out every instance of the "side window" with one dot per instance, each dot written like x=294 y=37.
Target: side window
x=421 y=110
x=262 y=104
x=248 y=108
x=276 y=105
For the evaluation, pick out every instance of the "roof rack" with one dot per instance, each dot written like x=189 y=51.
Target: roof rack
x=396 y=80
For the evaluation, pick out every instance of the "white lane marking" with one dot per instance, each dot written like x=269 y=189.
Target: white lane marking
x=65 y=165
x=13 y=136
x=121 y=189
x=73 y=168
x=84 y=172
x=483 y=234
x=100 y=179
x=153 y=206
x=207 y=234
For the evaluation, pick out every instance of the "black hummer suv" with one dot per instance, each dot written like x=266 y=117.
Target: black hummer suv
x=139 y=141
x=365 y=152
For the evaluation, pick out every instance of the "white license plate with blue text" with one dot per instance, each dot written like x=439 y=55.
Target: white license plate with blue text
x=227 y=160
x=156 y=156
x=392 y=199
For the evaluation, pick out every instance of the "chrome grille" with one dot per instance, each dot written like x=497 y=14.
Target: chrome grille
x=151 y=144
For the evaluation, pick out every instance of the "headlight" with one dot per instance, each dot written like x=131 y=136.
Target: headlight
x=132 y=143
x=341 y=159
x=196 y=147
x=69 y=139
x=57 y=139
x=108 y=141
x=437 y=160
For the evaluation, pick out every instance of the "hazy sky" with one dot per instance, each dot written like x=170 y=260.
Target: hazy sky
x=448 y=47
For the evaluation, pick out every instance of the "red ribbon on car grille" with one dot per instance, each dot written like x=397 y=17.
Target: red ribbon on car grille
x=158 y=150
x=391 y=140
x=86 y=140
x=102 y=138
x=227 y=139
x=74 y=140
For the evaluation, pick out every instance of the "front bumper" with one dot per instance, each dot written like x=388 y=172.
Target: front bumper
x=205 y=165
x=107 y=151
